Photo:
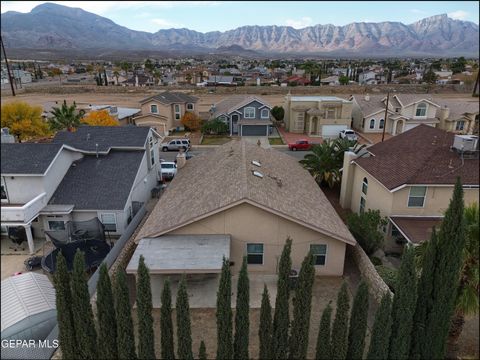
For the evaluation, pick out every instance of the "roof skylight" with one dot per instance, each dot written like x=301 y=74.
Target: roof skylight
x=257 y=174
x=256 y=163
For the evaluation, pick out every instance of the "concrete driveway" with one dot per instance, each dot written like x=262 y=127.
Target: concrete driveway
x=254 y=140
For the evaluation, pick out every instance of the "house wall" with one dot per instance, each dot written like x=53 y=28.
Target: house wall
x=376 y=129
x=248 y=224
x=409 y=111
x=120 y=215
x=168 y=112
x=256 y=105
x=160 y=125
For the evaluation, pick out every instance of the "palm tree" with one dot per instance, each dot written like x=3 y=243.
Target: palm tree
x=116 y=74
x=66 y=117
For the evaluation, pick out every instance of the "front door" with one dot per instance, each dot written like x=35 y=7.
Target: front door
x=235 y=124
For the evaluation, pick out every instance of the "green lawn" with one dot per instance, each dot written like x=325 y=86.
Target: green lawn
x=215 y=140
x=275 y=141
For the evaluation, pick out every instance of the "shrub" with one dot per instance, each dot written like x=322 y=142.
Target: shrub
x=215 y=127
x=376 y=261
x=365 y=227
x=278 y=112
x=191 y=121
x=388 y=275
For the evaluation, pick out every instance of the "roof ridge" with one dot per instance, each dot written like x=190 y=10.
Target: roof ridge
x=245 y=188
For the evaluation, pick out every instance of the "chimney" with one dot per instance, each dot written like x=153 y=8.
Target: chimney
x=367 y=97
x=181 y=159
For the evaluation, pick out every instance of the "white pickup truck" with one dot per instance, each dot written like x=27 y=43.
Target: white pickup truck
x=168 y=169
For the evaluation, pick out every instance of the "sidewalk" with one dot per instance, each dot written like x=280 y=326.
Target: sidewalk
x=289 y=137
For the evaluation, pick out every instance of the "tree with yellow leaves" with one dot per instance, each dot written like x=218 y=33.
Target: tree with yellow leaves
x=99 y=118
x=191 y=121
x=25 y=122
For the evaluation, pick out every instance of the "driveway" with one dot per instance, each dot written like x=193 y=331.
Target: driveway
x=289 y=137
x=254 y=140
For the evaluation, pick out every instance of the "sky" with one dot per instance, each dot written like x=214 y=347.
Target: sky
x=205 y=16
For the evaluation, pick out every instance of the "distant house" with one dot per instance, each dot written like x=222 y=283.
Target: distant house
x=458 y=116
x=139 y=80
x=297 y=80
x=331 y=80
x=123 y=115
x=220 y=80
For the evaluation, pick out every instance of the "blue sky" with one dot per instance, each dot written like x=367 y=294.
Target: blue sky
x=225 y=15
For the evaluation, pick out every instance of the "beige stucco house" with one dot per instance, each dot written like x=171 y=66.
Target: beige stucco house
x=244 y=202
x=410 y=179
x=459 y=116
x=323 y=116
x=164 y=111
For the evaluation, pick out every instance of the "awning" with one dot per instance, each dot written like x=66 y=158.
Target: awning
x=56 y=210
x=416 y=229
x=176 y=254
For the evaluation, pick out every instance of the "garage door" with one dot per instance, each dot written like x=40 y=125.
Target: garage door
x=410 y=126
x=254 y=130
x=332 y=130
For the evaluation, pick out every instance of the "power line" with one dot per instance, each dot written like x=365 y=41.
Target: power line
x=8 y=67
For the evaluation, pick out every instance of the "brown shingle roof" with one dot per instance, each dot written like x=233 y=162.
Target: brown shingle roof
x=223 y=177
x=458 y=107
x=421 y=155
x=168 y=97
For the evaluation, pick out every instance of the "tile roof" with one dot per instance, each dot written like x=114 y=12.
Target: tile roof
x=417 y=229
x=224 y=177
x=234 y=102
x=407 y=99
x=373 y=105
x=459 y=107
x=168 y=97
x=27 y=158
x=421 y=155
x=102 y=183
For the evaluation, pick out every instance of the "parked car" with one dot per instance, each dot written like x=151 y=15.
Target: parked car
x=348 y=134
x=176 y=144
x=301 y=144
x=168 y=170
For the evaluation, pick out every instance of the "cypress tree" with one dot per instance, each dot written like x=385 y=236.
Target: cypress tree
x=265 y=328
x=224 y=313
x=302 y=304
x=281 y=315
x=242 y=323
x=323 y=350
x=107 y=322
x=125 y=336
x=63 y=300
x=340 y=325
x=184 y=331
x=358 y=323
x=202 y=351
x=166 y=325
x=382 y=327
x=146 y=347
x=403 y=307
x=82 y=311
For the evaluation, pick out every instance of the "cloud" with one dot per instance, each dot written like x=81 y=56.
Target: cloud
x=300 y=23
x=164 y=24
x=418 y=11
x=459 y=15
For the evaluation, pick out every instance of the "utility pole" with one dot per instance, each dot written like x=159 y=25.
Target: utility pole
x=8 y=67
x=386 y=115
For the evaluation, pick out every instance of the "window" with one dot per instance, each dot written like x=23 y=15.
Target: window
x=4 y=194
x=4 y=229
x=330 y=113
x=299 y=121
x=382 y=124
x=177 y=111
x=460 y=125
x=56 y=225
x=421 y=110
x=365 y=186
x=416 y=197
x=255 y=254
x=154 y=109
x=319 y=253
x=265 y=114
x=152 y=151
x=109 y=221
x=249 y=113
x=362 y=204
x=189 y=106
x=372 y=124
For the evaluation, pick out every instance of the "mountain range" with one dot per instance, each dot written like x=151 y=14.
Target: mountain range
x=51 y=27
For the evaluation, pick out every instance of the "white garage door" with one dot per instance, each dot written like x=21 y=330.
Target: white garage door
x=332 y=130
x=410 y=126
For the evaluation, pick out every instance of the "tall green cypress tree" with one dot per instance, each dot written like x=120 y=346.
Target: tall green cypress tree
x=323 y=349
x=184 y=331
x=107 y=322
x=166 y=325
x=339 y=345
x=242 y=323
x=358 y=323
x=265 y=328
x=281 y=320
x=302 y=304
x=382 y=327
x=63 y=300
x=202 y=351
x=82 y=311
x=146 y=347
x=125 y=336
x=403 y=307
x=224 y=313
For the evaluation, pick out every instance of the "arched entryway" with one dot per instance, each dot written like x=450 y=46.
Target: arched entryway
x=399 y=127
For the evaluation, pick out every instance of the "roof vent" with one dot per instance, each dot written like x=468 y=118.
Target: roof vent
x=256 y=163
x=257 y=174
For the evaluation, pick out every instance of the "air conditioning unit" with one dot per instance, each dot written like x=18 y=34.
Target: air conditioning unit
x=465 y=143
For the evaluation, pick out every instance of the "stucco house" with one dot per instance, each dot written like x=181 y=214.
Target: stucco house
x=104 y=172
x=245 y=115
x=322 y=116
x=410 y=179
x=459 y=116
x=164 y=111
x=249 y=205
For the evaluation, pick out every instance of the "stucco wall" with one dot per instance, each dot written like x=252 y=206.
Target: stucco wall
x=410 y=111
x=376 y=117
x=248 y=224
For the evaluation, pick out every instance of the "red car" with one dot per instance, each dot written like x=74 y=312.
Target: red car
x=301 y=144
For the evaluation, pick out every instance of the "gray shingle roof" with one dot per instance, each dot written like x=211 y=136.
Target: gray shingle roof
x=234 y=102
x=225 y=177
x=168 y=97
x=102 y=183
x=407 y=99
x=106 y=137
x=373 y=105
x=27 y=158
x=458 y=107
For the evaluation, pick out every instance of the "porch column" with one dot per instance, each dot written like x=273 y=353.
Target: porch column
x=28 y=231
x=394 y=128
x=309 y=126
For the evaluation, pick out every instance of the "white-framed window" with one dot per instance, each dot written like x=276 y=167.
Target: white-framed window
x=255 y=254
x=365 y=185
x=330 y=113
x=416 y=198
x=4 y=229
x=459 y=126
x=382 y=124
x=154 y=109
x=319 y=252
x=249 y=113
x=362 y=204
x=190 y=106
x=265 y=114
x=56 y=225
x=109 y=221
x=421 y=110
x=176 y=108
x=4 y=194
x=372 y=124
x=299 y=122
x=152 y=151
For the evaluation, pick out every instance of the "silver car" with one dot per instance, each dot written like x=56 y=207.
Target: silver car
x=176 y=144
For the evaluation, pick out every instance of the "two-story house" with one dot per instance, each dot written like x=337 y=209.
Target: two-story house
x=103 y=172
x=459 y=116
x=322 y=116
x=164 y=111
x=245 y=115
x=410 y=179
